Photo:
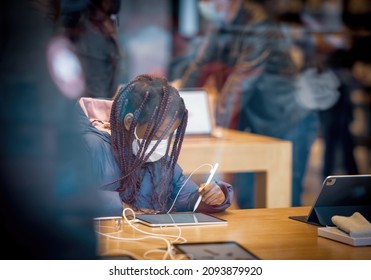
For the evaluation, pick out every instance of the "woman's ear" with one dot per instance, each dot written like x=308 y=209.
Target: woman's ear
x=128 y=120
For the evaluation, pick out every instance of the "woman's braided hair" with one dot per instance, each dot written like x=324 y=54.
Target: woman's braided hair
x=151 y=100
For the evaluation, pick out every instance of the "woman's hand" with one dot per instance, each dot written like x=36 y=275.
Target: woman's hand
x=211 y=194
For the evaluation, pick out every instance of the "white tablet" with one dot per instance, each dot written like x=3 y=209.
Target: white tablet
x=179 y=219
x=104 y=218
x=200 y=119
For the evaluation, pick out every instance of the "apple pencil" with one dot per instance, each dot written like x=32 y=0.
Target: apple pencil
x=212 y=172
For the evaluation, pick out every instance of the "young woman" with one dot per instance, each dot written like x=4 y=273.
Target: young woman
x=135 y=144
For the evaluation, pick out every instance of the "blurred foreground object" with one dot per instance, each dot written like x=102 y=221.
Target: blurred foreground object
x=47 y=199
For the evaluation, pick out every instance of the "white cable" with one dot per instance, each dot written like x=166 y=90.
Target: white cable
x=169 y=252
x=185 y=182
x=177 y=237
x=163 y=237
x=138 y=239
x=116 y=227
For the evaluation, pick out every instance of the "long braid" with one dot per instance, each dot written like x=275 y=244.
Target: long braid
x=162 y=188
x=177 y=146
x=118 y=139
x=164 y=193
x=178 y=140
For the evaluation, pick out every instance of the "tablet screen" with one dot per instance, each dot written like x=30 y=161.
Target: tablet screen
x=229 y=250
x=179 y=219
x=199 y=115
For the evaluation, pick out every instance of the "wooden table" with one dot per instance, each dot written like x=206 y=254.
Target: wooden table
x=267 y=233
x=235 y=151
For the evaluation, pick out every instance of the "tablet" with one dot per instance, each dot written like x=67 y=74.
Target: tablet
x=340 y=195
x=179 y=219
x=105 y=218
x=229 y=250
x=200 y=119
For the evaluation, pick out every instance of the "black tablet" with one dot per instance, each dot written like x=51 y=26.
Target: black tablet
x=229 y=250
x=179 y=219
x=340 y=195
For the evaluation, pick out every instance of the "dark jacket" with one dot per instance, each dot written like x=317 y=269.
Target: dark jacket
x=258 y=92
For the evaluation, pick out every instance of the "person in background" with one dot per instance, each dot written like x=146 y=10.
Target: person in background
x=322 y=35
x=356 y=16
x=47 y=203
x=256 y=71
x=91 y=25
x=339 y=143
x=348 y=64
x=134 y=143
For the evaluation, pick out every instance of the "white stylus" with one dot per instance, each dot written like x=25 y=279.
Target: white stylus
x=212 y=172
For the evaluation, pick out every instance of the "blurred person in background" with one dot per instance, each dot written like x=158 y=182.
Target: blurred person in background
x=356 y=15
x=339 y=143
x=348 y=62
x=321 y=35
x=47 y=194
x=334 y=46
x=257 y=67
x=92 y=25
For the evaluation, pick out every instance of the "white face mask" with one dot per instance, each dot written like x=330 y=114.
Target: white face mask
x=157 y=154
x=209 y=12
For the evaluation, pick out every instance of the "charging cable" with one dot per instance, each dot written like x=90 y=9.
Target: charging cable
x=185 y=182
x=169 y=252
